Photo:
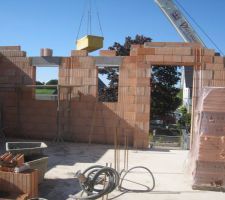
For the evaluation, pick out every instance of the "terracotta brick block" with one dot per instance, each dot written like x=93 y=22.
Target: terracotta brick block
x=217 y=83
x=142 y=99
x=154 y=58
x=18 y=48
x=13 y=53
x=128 y=60
x=206 y=74
x=193 y=45
x=140 y=107
x=174 y=44
x=141 y=60
x=123 y=91
x=143 y=82
x=107 y=53
x=76 y=81
x=131 y=91
x=209 y=52
x=128 y=82
x=214 y=66
x=164 y=51
x=218 y=60
x=207 y=59
x=129 y=115
x=132 y=73
x=146 y=108
x=93 y=73
x=99 y=130
x=188 y=59
x=146 y=51
x=79 y=73
x=144 y=117
x=111 y=106
x=74 y=62
x=79 y=53
x=127 y=99
x=184 y=51
x=129 y=107
x=140 y=91
x=133 y=51
x=89 y=81
x=219 y=75
x=142 y=64
x=172 y=59
x=141 y=142
x=146 y=126
x=143 y=73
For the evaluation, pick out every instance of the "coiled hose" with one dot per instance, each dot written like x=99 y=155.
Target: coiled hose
x=97 y=181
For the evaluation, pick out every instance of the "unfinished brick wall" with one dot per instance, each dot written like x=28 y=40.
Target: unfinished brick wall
x=15 y=71
x=80 y=116
x=90 y=120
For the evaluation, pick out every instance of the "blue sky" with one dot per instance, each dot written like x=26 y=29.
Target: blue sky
x=36 y=24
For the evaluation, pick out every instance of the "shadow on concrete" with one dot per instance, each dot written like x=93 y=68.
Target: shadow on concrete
x=58 y=188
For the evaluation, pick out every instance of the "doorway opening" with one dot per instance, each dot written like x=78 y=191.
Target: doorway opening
x=171 y=102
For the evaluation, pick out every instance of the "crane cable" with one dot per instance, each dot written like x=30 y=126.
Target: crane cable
x=99 y=21
x=88 y=6
x=200 y=28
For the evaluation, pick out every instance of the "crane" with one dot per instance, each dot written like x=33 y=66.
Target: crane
x=179 y=21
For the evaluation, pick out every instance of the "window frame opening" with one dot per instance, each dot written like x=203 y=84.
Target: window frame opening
x=50 y=88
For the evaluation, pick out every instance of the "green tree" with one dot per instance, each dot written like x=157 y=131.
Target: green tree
x=52 y=82
x=185 y=120
x=124 y=50
x=110 y=93
x=39 y=83
x=164 y=93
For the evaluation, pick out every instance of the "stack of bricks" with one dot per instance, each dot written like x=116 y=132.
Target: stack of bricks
x=209 y=172
x=13 y=185
x=19 y=183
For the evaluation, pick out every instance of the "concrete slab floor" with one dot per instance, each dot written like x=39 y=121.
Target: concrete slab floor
x=168 y=167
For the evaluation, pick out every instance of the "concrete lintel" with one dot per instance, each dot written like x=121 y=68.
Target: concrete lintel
x=108 y=61
x=45 y=61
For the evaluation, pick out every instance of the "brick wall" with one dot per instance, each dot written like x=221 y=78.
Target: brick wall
x=80 y=116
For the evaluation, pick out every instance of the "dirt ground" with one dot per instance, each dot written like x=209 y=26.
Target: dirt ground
x=168 y=167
